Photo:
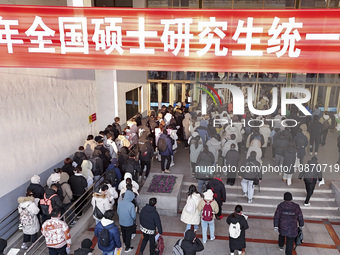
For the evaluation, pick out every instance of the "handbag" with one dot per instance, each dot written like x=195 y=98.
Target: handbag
x=96 y=212
x=256 y=181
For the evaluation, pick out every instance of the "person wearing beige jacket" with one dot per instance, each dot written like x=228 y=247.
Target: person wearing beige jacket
x=208 y=215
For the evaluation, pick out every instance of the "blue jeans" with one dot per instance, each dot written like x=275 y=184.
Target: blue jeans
x=201 y=184
x=108 y=252
x=205 y=228
x=189 y=227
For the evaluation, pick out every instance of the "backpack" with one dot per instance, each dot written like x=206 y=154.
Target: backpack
x=177 y=250
x=207 y=213
x=26 y=218
x=104 y=236
x=111 y=176
x=162 y=144
x=95 y=165
x=299 y=238
x=60 y=191
x=234 y=230
x=46 y=204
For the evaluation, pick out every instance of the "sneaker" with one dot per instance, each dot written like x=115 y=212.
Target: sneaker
x=245 y=195
x=280 y=248
x=204 y=241
x=145 y=177
x=316 y=153
x=24 y=246
x=307 y=205
x=172 y=164
x=212 y=239
x=140 y=178
x=250 y=201
x=311 y=153
x=133 y=236
x=167 y=171
x=130 y=249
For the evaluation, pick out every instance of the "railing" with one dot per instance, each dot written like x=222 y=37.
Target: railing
x=8 y=224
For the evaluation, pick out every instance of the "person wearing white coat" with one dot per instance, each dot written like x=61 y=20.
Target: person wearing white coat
x=214 y=146
x=122 y=184
x=101 y=201
x=87 y=172
x=190 y=214
x=28 y=211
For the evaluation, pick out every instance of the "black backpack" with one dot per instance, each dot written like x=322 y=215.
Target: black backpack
x=110 y=175
x=162 y=144
x=104 y=236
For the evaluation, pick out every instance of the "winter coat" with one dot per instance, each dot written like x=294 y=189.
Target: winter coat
x=126 y=210
x=123 y=156
x=103 y=153
x=186 y=125
x=305 y=131
x=83 y=251
x=122 y=184
x=189 y=246
x=289 y=158
x=143 y=132
x=146 y=151
x=218 y=188
x=68 y=168
x=213 y=204
x=87 y=170
x=286 y=217
x=168 y=150
x=114 y=234
x=97 y=166
x=112 y=147
x=240 y=242
x=89 y=146
x=28 y=203
x=56 y=232
x=53 y=178
x=78 y=184
x=196 y=147
x=265 y=131
x=255 y=146
x=66 y=188
x=102 y=202
x=189 y=217
x=37 y=189
x=315 y=129
x=55 y=201
x=300 y=142
x=214 y=147
x=79 y=157
x=256 y=135
x=229 y=130
x=203 y=131
x=281 y=142
x=226 y=146
x=149 y=219
x=232 y=158
x=121 y=142
x=312 y=171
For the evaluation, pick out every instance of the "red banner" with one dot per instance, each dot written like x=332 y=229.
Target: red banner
x=171 y=39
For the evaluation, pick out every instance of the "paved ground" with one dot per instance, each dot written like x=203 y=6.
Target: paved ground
x=321 y=235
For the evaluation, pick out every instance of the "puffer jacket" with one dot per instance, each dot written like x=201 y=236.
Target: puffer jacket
x=122 y=184
x=196 y=147
x=214 y=147
x=311 y=171
x=66 y=188
x=102 y=202
x=89 y=146
x=189 y=246
x=114 y=234
x=289 y=158
x=29 y=204
x=192 y=218
x=286 y=217
x=281 y=142
x=126 y=210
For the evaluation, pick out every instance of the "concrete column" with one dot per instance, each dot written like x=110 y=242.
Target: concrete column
x=107 y=98
x=79 y=3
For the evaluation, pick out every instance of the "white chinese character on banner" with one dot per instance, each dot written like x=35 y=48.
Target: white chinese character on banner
x=249 y=40
x=289 y=37
x=6 y=34
x=73 y=34
x=205 y=37
x=180 y=36
x=32 y=31
x=110 y=37
x=141 y=34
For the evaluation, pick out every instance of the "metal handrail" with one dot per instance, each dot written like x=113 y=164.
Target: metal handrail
x=69 y=212
x=8 y=215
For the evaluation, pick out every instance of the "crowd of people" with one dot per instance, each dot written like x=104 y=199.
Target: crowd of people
x=117 y=161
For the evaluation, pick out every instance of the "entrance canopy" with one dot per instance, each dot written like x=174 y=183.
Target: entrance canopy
x=297 y=41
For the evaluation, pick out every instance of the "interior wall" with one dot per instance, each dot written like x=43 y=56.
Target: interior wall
x=44 y=118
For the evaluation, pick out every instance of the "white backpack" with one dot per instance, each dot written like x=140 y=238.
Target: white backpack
x=234 y=230
x=177 y=250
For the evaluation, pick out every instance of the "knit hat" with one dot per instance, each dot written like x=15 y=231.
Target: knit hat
x=3 y=244
x=208 y=195
x=288 y=196
x=86 y=243
x=35 y=179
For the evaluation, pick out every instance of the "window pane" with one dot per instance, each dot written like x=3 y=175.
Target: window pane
x=165 y=93
x=334 y=98
x=173 y=3
x=304 y=77
x=210 y=4
x=155 y=75
x=154 y=96
x=131 y=103
x=326 y=78
x=313 y=3
x=279 y=4
x=183 y=76
x=211 y=76
x=157 y=3
x=248 y=4
x=334 y=3
x=321 y=97
x=178 y=93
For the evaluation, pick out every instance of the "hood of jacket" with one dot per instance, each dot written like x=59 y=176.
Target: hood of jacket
x=203 y=123
x=50 y=192
x=105 y=222
x=129 y=196
x=64 y=177
x=86 y=164
x=25 y=199
x=213 y=141
x=189 y=235
x=127 y=175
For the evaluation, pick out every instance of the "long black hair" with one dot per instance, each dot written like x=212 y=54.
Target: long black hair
x=192 y=190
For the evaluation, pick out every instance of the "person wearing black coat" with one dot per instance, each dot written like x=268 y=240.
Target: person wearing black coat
x=286 y=217
x=310 y=173
x=145 y=156
x=37 y=190
x=315 y=131
x=289 y=158
x=217 y=187
x=202 y=171
x=67 y=167
x=238 y=243
x=85 y=249
x=300 y=142
x=78 y=185
x=232 y=159
x=191 y=244
x=149 y=220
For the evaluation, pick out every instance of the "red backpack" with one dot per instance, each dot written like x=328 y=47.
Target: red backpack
x=160 y=246
x=207 y=213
